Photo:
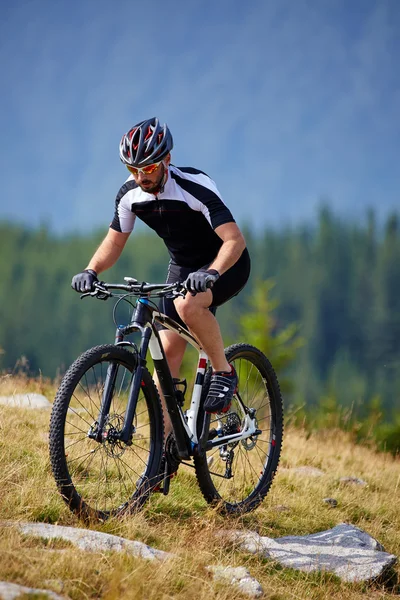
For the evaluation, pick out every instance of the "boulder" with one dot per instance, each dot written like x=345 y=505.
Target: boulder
x=345 y=550
x=13 y=591
x=96 y=541
x=26 y=401
x=92 y=541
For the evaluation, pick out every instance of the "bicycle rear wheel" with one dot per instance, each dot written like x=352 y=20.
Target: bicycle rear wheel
x=237 y=476
x=99 y=479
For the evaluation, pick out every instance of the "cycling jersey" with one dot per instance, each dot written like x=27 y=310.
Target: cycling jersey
x=184 y=214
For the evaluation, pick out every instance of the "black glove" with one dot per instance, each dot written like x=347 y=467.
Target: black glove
x=201 y=280
x=83 y=282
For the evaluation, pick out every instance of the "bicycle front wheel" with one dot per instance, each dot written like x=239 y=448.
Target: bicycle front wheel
x=99 y=476
x=236 y=477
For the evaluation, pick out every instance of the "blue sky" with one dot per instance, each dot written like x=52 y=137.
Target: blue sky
x=282 y=102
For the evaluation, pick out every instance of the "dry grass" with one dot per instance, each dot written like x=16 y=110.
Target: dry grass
x=183 y=524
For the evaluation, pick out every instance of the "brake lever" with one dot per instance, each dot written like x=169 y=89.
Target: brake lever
x=179 y=291
x=99 y=293
x=103 y=295
x=176 y=294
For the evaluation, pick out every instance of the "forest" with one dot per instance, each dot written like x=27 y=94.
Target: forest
x=323 y=301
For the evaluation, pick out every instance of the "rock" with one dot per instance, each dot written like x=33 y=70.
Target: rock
x=95 y=541
x=353 y=481
x=282 y=508
x=26 y=401
x=92 y=541
x=238 y=577
x=345 y=550
x=332 y=502
x=12 y=591
x=304 y=470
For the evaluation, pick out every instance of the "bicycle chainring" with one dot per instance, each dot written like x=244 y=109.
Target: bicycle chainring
x=171 y=453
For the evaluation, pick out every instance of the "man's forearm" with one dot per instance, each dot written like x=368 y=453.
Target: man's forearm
x=105 y=256
x=228 y=255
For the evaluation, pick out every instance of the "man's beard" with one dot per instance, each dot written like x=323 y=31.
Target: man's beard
x=156 y=186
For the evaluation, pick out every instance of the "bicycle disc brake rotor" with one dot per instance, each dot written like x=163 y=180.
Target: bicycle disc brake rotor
x=111 y=442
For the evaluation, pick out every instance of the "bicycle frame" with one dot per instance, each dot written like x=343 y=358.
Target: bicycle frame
x=145 y=319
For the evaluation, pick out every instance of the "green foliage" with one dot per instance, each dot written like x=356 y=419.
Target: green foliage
x=259 y=327
x=387 y=436
x=338 y=281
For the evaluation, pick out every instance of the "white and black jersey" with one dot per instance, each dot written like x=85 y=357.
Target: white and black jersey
x=184 y=214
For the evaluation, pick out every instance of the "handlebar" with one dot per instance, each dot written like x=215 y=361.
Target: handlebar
x=133 y=287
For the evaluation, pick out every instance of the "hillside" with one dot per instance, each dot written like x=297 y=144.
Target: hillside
x=183 y=524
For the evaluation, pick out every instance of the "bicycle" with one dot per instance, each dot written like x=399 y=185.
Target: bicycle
x=107 y=447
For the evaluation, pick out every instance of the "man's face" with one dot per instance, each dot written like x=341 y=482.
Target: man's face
x=151 y=183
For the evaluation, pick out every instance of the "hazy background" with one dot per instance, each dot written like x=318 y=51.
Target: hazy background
x=282 y=102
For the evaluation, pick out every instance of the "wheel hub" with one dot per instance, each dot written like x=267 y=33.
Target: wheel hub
x=251 y=441
x=111 y=436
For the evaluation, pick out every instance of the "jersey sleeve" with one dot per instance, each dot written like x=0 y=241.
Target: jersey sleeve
x=207 y=198
x=215 y=211
x=124 y=218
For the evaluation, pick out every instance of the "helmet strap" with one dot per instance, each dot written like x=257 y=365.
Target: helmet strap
x=160 y=188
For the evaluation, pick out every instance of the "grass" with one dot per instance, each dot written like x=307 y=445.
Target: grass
x=183 y=524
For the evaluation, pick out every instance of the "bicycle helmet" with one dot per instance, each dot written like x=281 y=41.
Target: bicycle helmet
x=145 y=143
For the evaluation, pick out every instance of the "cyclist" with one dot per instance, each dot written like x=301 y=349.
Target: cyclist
x=184 y=207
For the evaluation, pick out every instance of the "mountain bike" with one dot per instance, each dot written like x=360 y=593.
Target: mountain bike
x=107 y=447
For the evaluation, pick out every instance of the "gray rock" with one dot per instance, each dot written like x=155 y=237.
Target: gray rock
x=353 y=481
x=332 y=502
x=92 y=541
x=282 y=508
x=345 y=550
x=95 y=541
x=12 y=591
x=303 y=470
x=238 y=577
x=26 y=401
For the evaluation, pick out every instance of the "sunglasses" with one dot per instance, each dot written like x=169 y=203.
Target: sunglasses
x=146 y=170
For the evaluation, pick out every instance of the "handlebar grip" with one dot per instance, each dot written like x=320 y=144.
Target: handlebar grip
x=210 y=282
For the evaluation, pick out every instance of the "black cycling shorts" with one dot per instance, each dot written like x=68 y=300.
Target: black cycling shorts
x=227 y=286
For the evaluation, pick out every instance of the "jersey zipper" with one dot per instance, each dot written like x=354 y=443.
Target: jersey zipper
x=162 y=217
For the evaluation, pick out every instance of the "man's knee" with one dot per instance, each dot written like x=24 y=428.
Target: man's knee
x=190 y=307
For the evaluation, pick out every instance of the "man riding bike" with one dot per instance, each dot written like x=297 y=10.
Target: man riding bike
x=185 y=209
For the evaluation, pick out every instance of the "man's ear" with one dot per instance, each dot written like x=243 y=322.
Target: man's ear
x=167 y=159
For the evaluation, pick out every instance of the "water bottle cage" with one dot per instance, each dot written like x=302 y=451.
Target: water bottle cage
x=180 y=393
